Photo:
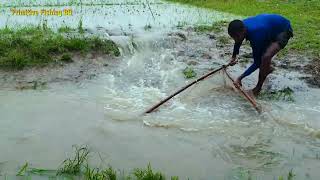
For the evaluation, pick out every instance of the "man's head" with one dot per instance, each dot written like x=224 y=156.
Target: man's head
x=237 y=30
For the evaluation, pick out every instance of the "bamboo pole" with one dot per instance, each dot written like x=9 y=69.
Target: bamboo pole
x=250 y=99
x=185 y=87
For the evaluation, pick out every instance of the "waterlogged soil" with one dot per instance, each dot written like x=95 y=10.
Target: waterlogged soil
x=207 y=132
x=81 y=68
x=89 y=66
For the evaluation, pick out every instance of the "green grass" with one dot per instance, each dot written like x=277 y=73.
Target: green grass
x=39 y=46
x=304 y=15
x=66 y=58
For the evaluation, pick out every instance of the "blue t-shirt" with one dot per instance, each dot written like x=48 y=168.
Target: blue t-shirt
x=261 y=31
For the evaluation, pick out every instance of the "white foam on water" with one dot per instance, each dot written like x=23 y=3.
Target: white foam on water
x=206 y=131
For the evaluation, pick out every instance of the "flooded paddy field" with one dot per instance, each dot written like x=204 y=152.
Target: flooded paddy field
x=207 y=132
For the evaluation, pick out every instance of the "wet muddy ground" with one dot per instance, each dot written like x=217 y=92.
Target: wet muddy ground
x=207 y=132
x=194 y=48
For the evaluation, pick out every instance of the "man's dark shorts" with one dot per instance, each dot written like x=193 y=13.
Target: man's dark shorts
x=283 y=38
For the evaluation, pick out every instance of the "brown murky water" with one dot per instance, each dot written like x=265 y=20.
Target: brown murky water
x=207 y=132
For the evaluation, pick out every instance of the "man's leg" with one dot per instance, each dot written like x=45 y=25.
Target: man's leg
x=265 y=67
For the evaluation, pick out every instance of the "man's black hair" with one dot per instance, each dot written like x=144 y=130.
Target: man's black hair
x=235 y=26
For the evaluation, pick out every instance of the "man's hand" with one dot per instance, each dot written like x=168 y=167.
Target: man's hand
x=233 y=61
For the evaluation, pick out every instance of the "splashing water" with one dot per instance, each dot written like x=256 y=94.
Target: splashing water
x=207 y=132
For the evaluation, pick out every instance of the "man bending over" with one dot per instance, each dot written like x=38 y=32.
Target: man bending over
x=268 y=34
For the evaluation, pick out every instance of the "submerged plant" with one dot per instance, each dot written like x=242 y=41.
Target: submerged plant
x=189 y=73
x=290 y=176
x=23 y=170
x=181 y=24
x=147 y=27
x=285 y=94
x=73 y=165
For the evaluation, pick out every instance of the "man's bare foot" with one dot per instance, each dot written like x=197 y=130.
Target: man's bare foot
x=255 y=92
x=271 y=69
x=237 y=82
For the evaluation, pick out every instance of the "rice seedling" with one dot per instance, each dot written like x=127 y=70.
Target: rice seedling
x=189 y=73
x=80 y=27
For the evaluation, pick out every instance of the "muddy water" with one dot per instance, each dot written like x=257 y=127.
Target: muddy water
x=207 y=132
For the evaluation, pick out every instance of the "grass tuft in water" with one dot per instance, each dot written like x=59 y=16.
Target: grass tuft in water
x=97 y=174
x=189 y=73
x=72 y=166
x=285 y=94
x=147 y=27
x=147 y=174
